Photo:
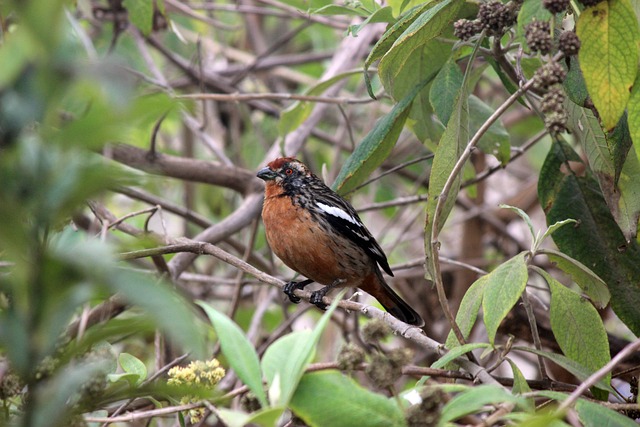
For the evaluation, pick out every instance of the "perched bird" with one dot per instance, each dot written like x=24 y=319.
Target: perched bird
x=317 y=233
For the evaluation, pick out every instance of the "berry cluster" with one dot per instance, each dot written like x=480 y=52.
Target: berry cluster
x=497 y=18
x=555 y=6
x=538 y=36
x=569 y=43
x=555 y=119
x=548 y=75
x=464 y=29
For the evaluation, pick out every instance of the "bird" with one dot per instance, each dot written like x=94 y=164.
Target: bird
x=318 y=234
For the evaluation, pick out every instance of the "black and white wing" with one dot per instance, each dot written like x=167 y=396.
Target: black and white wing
x=345 y=220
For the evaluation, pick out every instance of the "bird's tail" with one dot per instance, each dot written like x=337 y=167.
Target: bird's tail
x=391 y=301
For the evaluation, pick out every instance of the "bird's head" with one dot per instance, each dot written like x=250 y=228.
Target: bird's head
x=285 y=171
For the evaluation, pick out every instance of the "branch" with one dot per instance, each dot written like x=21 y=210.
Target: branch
x=598 y=375
x=240 y=180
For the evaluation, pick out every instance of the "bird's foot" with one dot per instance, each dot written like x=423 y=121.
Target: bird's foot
x=317 y=296
x=290 y=287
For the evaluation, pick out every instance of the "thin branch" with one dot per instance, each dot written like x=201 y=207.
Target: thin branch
x=599 y=374
x=241 y=97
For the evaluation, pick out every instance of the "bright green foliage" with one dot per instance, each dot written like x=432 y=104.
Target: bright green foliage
x=596 y=241
x=376 y=146
x=577 y=327
x=240 y=353
x=504 y=286
x=331 y=398
x=609 y=56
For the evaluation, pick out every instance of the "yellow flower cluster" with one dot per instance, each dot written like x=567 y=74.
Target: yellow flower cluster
x=199 y=373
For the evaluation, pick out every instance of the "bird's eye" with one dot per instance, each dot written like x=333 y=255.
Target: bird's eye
x=288 y=171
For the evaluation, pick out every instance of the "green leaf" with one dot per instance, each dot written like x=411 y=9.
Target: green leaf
x=634 y=116
x=571 y=366
x=384 y=14
x=428 y=25
x=586 y=127
x=596 y=241
x=376 y=146
x=615 y=166
x=625 y=205
x=456 y=352
x=451 y=146
x=504 y=286
x=329 y=398
x=474 y=399
x=239 y=352
x=520 y=385
x=389 y=37
x=267 y=417
x=167 y=309
x=594 y=415
x=284 y=362
x=609 y=56
x=58 y=395
x=574 y=84
x=286 y=359
x=496 y=140
x=334 y=9
x=468 y=311
x=131 y=379
x=444 y=90
x=589 y=282
x=294 y=115
x=522 y=214
x=132 y=365
x=140 y=14
x=577 y=327
x=556 y=225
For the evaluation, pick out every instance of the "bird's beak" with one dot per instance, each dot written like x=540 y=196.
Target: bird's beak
x=266 y=174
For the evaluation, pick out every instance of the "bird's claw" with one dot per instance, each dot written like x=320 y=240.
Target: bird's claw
x=289 y=289
x=316 y=298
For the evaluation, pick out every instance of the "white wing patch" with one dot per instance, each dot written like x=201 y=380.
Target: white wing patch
x=337 y=212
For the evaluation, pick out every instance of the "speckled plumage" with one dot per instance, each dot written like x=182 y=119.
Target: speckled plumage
x=317 y=233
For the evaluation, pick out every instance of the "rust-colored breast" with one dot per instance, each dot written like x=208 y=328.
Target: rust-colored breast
x=306 y=247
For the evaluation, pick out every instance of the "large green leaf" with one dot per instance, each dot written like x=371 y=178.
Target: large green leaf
x=615 y=166
x=451 y=146
x=390 y=36
x=444 y=90
x=594 y=415
x=239 y=352
x=468 y=310
x=576 y=369
x=285 y=361
x=496 y=140
x=609 y=56
x=329 y=398
x=376 y=146
x=634 y=116
x=589 y=282
x=474 y=398
x=431 y=23
x=577 y=327
x=504 y=287
x=140 y=14
x=596 y=241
